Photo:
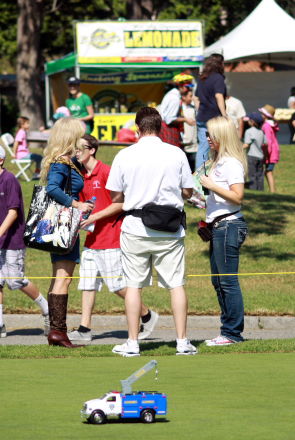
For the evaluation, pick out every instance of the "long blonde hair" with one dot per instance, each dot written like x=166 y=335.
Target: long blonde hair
x=64 y=140
x=223 y=130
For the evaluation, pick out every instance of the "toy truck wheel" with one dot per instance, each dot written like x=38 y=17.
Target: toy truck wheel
x=97 y=417
x=147 y=416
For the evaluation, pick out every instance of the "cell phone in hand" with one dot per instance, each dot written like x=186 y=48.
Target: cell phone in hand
x=205 y=190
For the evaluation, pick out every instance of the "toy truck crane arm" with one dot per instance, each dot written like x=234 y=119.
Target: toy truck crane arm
x=126 y=384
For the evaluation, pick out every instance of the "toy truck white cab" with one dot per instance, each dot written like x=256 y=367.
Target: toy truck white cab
x=140 y=404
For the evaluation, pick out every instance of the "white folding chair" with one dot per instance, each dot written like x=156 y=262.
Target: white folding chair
x=22 y=164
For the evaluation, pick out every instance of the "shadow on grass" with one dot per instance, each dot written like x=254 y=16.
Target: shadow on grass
x=264 y=213
x=146 y=346
x=127 y=421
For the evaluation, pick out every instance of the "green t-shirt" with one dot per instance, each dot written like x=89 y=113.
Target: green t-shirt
x=78 y=109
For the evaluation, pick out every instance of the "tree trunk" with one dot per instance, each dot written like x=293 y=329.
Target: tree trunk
x=139 y=9
x=29 y=89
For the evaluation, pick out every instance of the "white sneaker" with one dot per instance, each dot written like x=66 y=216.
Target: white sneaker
x=186 y=348
x=210 y=340
x=146 y=329
x=127 y=350
x=46 y=324
x=221 y=340
x=75 y=335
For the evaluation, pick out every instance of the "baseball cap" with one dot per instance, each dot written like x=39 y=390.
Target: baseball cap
x=256 y=117
x=73 y=80
x=2 y=153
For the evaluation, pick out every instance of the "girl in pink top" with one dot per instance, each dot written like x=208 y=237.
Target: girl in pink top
x=272 y=152
x=20 y=149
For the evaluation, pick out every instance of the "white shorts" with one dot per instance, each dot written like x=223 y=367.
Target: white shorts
x=139 y=253
x=12 y=264
x=101 y=263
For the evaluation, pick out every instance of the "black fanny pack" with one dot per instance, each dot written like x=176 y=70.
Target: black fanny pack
x=158 y=217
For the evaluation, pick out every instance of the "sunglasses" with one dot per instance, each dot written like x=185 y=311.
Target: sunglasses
x=86 y=147
x=208 y=134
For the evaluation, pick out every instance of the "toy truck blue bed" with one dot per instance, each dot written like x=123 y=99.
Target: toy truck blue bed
x=134 y=404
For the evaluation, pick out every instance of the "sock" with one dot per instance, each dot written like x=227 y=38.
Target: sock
x=146 y=317
x=181 y=341
x=130 y=342
x=1 y=315
x=42 y=303
x=83 y=329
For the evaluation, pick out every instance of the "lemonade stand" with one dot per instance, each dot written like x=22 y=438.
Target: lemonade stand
x=123 y=66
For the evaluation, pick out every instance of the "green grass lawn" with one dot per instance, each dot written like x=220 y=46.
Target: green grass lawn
x=213 y=397
x=268 y=248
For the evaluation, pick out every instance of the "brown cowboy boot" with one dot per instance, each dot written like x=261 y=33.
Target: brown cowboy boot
x=57 y=305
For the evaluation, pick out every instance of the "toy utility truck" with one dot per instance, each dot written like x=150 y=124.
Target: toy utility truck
x=127 y=404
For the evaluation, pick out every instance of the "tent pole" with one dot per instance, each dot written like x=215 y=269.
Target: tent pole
x=47 y=98
x=77 y=72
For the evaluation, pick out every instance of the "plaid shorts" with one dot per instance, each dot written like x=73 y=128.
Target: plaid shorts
x=101 y=263
x=12 y=264
x=170 y=134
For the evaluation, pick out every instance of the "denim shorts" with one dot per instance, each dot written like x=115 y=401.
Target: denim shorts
x=74 y=255
x=269 y=166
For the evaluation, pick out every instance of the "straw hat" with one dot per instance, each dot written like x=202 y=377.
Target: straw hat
x=268 y=110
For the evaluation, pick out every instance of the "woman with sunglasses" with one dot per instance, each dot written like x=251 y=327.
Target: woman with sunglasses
x=64 y=140
x=226 y=184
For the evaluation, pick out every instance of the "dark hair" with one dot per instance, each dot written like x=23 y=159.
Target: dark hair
x=148 y=120
x=292 y=91
x=213 y=64
x=20 y=121
x=93 y=142
x=187 y=92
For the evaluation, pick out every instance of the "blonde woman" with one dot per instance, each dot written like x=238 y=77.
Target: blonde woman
x=64 y=140
x=226 y=185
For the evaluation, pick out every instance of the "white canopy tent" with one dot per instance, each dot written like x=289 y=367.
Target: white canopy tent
x=267 y=35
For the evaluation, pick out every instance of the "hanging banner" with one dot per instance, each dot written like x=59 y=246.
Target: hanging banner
x=135 y=77
x=139 y=42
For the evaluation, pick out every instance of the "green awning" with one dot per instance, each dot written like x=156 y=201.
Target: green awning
x=69 y=62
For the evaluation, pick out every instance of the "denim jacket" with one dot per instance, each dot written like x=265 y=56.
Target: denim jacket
x=56 y=182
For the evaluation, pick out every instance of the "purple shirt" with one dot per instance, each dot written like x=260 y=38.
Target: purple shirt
x=11 y=197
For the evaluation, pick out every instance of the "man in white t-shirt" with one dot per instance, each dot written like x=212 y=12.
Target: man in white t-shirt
x=235 y=111
x=151 y=171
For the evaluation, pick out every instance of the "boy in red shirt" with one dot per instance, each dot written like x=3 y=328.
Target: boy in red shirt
x=101 y=256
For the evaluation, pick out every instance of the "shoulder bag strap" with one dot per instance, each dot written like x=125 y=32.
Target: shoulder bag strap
x=68 y=187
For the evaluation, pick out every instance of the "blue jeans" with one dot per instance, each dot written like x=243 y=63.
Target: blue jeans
x=227 y=238
x=34 y=158
x=203 y=146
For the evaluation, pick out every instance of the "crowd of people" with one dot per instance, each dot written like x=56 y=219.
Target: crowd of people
x=139 y=213
x=185 y=117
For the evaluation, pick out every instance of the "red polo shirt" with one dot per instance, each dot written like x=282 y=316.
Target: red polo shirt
x=104 y=235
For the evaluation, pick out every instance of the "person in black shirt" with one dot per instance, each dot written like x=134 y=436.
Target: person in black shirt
x=211 y=94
